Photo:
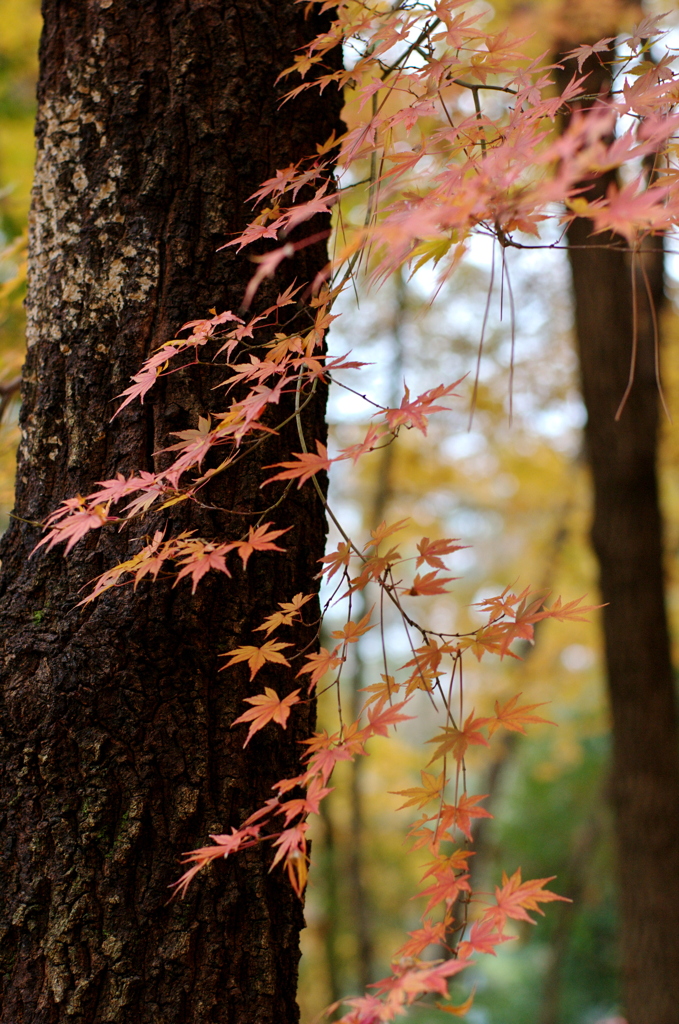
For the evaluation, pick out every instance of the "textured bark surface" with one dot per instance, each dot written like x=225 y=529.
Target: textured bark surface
x=157 y=119
x=627 y=538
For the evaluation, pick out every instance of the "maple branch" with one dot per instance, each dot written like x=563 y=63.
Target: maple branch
x=425 y=33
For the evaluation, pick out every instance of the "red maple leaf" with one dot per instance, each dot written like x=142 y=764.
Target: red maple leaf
x=147 y=376
x=200 y=559
x=415 y=414
x=74 y=527
x=224 y=845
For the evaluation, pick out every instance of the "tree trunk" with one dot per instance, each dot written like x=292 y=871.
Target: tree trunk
x=156 y=121
x=627 y=538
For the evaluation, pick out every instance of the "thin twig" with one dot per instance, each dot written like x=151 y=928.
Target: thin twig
x=635 y=341
x=7 y=393
x=656 y=340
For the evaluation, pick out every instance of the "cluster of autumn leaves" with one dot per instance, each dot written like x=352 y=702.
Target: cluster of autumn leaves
x=444 y=823
x=436 y=174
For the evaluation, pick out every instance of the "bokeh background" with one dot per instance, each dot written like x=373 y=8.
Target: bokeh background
x=517 y=492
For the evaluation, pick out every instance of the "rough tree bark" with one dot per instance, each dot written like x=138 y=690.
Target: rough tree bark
x=157 y=119
x=627 y=539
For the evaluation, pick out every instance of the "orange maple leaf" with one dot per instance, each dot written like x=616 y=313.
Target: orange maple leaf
x=225 y=845
x=456 y=741
x=445 y=889
x=429 y=935
x=381 y=718
x=380 y=693
x=373 y=568
x=431 y=551
x=368 y=444
x=503 y=604
x=425 y=665
x=429 y=656
x=460 y=816
x=423 y=836
x=516 y=897
x=268 y=708
x=307 y=465
x=514 y=718
x=351 y=631
x=324 y=761
x=462 y=1009
x=336 y=559
x=292 y=846
x=257 y=656
x=572 y=611
x=583 y=52
x=430 y=583
x=286 y=616
x=492 y=639
x=383 y=531
x=318 y=664
x=484 y=937
x=147 y=376
x=308 y=804
x=458 y=860
x=200 y=857
x=259 y=540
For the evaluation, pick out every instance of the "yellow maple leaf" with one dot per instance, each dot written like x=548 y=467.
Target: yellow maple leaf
x=257 y=656
x=420 y=796
x=462 y=1009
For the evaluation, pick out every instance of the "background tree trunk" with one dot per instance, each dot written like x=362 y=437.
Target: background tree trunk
x=156 y=121
x=627 y=538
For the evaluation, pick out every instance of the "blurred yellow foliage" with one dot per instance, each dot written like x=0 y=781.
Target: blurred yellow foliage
x=19 y=33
